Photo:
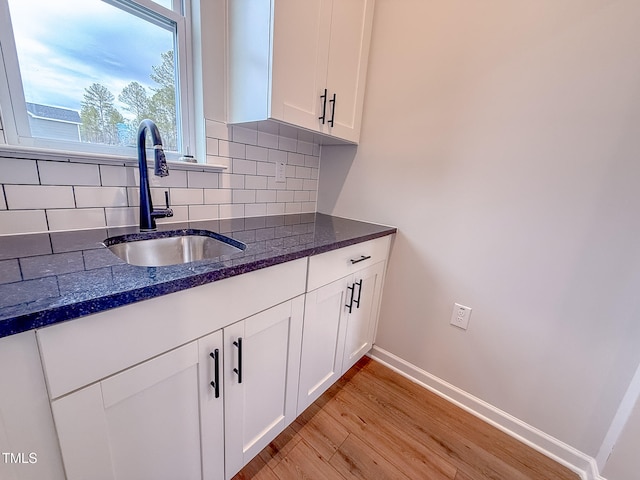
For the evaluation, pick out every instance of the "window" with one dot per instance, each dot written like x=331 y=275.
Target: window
x=82 y=74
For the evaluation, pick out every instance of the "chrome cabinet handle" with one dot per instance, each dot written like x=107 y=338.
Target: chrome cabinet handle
x=238 y=371
x=216 y=372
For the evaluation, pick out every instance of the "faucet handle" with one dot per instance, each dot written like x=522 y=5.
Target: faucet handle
x=166 y=198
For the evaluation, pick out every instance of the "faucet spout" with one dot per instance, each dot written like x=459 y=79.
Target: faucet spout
x=147 y=213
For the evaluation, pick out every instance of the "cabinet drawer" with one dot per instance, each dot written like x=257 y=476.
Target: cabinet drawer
x=82 y=351
x=330 y=266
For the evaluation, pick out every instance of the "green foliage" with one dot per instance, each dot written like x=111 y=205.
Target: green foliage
x=103 y=123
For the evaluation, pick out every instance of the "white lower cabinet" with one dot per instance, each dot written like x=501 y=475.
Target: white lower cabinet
x=146 y=422
x=168 y=389
x=262 y=360
x=28 y=445
x=339 y=328
x=201 y=411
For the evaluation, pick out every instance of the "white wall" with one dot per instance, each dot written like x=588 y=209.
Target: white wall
x=503 y=139
x=623 y=463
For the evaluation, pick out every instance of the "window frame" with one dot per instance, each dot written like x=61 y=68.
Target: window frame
x=13 y=110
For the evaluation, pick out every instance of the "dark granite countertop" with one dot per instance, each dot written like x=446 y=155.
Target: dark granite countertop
x=52 y=277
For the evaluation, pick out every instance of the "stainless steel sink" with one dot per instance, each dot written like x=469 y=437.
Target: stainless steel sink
x=156 y=249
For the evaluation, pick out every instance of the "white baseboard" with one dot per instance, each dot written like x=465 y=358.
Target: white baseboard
x=579 y=462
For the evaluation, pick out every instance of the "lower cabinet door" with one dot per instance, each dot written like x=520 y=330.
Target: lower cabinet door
x=262 y=363
x=361 y=322
x=322 y=340
x=141 y=423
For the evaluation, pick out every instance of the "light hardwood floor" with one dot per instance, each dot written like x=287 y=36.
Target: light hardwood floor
x=375 y=424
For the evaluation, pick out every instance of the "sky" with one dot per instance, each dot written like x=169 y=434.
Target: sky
x=64 y=47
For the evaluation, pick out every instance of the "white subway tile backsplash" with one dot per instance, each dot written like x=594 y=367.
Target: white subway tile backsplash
x=310 y=185
x=260 y=154
x=244 y=196
x=301 y=196
x=266 y=168
x=122 y=216
x=277 y=156
x=117 y=176
x=287 y=144
x=306 y=148
x=22 y=221
x=203 y=212
x=76 y=218
x=273 y=185
x=288 y=131
x=308 y=207
x=275 y=209
x=285 y=196
x=303 y=172
x=231 y=211
x=41 y=195
x=231 y=149
x=67 y=173
x=253 y=182
x=255 y=210
x=311 y=161
x=269 y=127
x=295 y=183
x=246 y=167
x=266 y=196
x=245 y=135
x=217 y=196
x=295 y=159
x=202 y=180
x=100 y=197
x=292 y=208
x=217 y=130
x=267 y=140
x=231 y=180
x=212 y=146
x=19 y=171
x=186 y=196
x=34 y=197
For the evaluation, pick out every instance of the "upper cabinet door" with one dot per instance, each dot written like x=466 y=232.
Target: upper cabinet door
x=351 y=22
x=300 y=62
x=300 y=56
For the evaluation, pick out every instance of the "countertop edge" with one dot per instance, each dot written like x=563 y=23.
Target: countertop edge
x=52 y=315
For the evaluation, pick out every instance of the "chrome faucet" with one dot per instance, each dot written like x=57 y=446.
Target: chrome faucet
x=147 y=214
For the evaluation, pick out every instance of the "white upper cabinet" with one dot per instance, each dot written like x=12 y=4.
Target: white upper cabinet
x=302 y=63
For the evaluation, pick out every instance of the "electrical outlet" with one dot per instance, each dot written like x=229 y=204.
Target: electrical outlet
x=281 y=172
x=460 y=316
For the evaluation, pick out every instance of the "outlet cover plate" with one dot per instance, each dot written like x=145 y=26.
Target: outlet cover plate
x=460 y=316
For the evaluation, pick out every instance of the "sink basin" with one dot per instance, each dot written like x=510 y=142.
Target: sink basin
x=156 y=249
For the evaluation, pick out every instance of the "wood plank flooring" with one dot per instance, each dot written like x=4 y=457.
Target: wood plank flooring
x=375 y=424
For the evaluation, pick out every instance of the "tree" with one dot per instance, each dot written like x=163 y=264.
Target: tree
x=99 y=115
x=134 y=96
x=163 y=101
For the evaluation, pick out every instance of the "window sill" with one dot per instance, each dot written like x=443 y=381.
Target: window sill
x=33 y=153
